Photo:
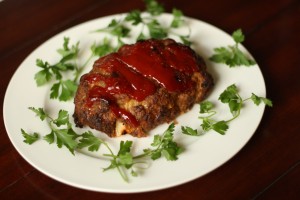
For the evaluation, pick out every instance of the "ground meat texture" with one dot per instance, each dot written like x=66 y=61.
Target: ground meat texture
x=141 y=86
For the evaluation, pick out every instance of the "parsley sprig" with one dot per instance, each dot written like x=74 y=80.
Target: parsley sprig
x=61 y=131
x=232 y=55
x=153 y=7
x=65 y=73
x=66 y=63
x=64 y=88
x=164 y=146
x=63 y=134
x=151 y=26
x=29 y=138
x=235 y=102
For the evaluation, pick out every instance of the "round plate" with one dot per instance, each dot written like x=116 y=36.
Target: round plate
x=202 y=154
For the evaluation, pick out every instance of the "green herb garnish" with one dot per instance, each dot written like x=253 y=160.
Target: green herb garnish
x=151 y=26
x=232 y=55
x=61 y=129
x=235 y=102
x=165 y=145
x=63 y=89
x=63 y=134
x=29 y=138
x=153 y=7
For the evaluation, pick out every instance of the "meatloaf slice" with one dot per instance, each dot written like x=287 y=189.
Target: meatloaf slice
x=141 y=86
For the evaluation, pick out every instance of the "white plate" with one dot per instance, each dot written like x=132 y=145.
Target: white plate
x=202 y=154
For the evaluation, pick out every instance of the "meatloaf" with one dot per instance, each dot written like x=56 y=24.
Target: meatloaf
x=140 y=86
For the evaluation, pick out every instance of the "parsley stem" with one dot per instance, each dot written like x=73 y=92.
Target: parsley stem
x=247 y=99
x=209 y=116
x=238 y=112
x=79 y=70
x=121 y=172
x=235 y=116
x=142 y=155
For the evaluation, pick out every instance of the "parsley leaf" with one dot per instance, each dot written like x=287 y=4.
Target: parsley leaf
x=116 y=28
x=232 y=55
x=29 y=138
x=155 y=30
x=220 y=127
x=189 y=131
x=43 y=76
x=206 y=124
x=165 y=145
x=238 y=36
x=126 y=159
x=48 y=71
x=89 y=140
x=102 y=49
x=39 y=112
x=153 y=7
x=62 y=119
x=50 y=138
x=177 y=18
x=64 y=90
x=134 y=17
x=63 y=137
x=125 y=147
x=68 y=53
x=206 y=106
x=231 y=96
x=257 y=100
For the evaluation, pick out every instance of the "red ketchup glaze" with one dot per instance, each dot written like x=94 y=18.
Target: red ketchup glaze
x=136 y=70
x=181 y=58
x=119 y=112
x=168 y=66
x=121 y=79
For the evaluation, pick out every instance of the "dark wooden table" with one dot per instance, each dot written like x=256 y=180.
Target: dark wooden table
x=268 y=167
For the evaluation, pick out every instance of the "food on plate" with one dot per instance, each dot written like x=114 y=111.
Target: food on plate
x=141 y=86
